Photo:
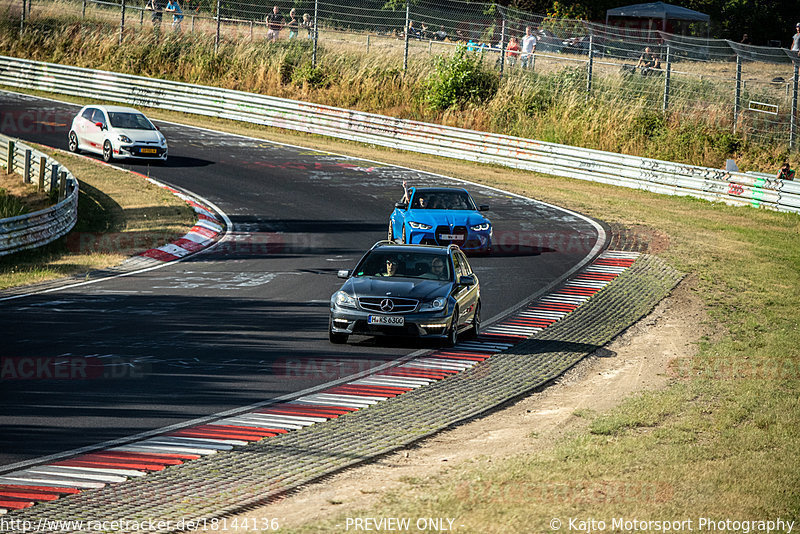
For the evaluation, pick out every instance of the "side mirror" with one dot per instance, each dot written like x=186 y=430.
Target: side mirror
x=468 y=280
x=401 y=205
x=483 y=207
x=99 y=125
x=344 y=273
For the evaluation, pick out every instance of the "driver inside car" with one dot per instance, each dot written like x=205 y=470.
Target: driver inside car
x=391 y=268
x=438 y=269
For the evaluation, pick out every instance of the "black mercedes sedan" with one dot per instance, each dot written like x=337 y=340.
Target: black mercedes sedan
x=422 y=291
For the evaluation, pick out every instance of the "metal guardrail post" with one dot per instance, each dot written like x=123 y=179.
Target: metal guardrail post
x=83 y=12
x=219 y=20
x=10 y=160
x=251 y=30
x=141 y=18
x=22 y=17
x=738 y=94
x=502 y=46
x=62 y=185
x=122 y=22
x=793 y=118
x=367 y=43
x=405 y=38
x=590 y=67
x=42 y=171
x=316 y=36
x=667 y=73
x=53 y=177
x=26 y=174
x=191 y=27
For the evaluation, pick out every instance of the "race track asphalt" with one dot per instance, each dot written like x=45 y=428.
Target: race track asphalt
x=246 y=320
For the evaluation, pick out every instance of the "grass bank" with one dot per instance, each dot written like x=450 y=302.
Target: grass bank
x=119 y=214
x=18 y=198
x=549 y=104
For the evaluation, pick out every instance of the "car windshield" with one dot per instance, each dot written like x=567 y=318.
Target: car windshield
x=130 y=121
x=406 y=265
x=442 y=200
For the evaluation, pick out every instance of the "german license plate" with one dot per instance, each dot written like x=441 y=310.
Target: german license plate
x=148 y=151
x=391 y=320
x=451 y=237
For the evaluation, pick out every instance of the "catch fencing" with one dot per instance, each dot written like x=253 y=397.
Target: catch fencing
x=754 y=189
x=35 y=229
x=751 y=90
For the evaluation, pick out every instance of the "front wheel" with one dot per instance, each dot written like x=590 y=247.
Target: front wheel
x=452 y=334
x=73 y=142
x=108 y=152
x=404 y=234
x=390 y=236
x=476 y=321
x=335 y=337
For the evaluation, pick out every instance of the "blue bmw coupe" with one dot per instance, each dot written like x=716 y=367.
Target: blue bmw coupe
x=441 y=216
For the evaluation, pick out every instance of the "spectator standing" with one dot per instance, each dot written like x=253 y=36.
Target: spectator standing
x=157 y=7
x=785 y=172
x=275 y=23
x=796 y=39
x=512 y=52
x=528 y=48
x=307 y=26
x=177 y=14
x=294 y=24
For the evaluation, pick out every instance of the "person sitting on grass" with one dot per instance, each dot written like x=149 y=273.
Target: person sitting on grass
x=648 y=61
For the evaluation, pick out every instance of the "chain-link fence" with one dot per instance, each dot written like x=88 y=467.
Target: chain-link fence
x=752 y=90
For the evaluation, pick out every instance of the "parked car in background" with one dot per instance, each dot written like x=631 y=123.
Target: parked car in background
x=116 y=132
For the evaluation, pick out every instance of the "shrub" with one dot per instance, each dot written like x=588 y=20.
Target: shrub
x=459 y=79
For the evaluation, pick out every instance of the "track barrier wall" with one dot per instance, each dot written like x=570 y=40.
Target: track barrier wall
x=662 y=177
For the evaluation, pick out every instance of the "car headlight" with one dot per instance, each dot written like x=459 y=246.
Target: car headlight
x=163 y=141
x=340 y=298
x=480 y=227
x=434 y=305
x=419 y=226
x=125 y=139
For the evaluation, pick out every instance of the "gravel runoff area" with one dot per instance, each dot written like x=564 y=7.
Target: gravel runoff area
x=227 y=483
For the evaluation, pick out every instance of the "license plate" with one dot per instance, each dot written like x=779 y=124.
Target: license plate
x=392 y=320
x=451 y=237
x=148 y=151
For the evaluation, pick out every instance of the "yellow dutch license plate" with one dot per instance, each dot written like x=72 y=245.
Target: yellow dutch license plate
x=148 y=151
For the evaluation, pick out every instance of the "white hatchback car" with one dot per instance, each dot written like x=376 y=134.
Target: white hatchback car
x=117 y=132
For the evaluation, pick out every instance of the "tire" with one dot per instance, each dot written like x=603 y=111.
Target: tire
x=390 y=236
x=108 y=152
x=404 y=235
x=73 y=143
x=452 y=334
x=337 y=338
x=475 y=330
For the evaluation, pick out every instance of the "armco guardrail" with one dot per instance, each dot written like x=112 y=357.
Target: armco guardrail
x=35 y=229
x=618 y=169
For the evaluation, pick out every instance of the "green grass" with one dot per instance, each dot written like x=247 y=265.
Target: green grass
x=119 y=214
x=623 y=114
x=10 y=206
